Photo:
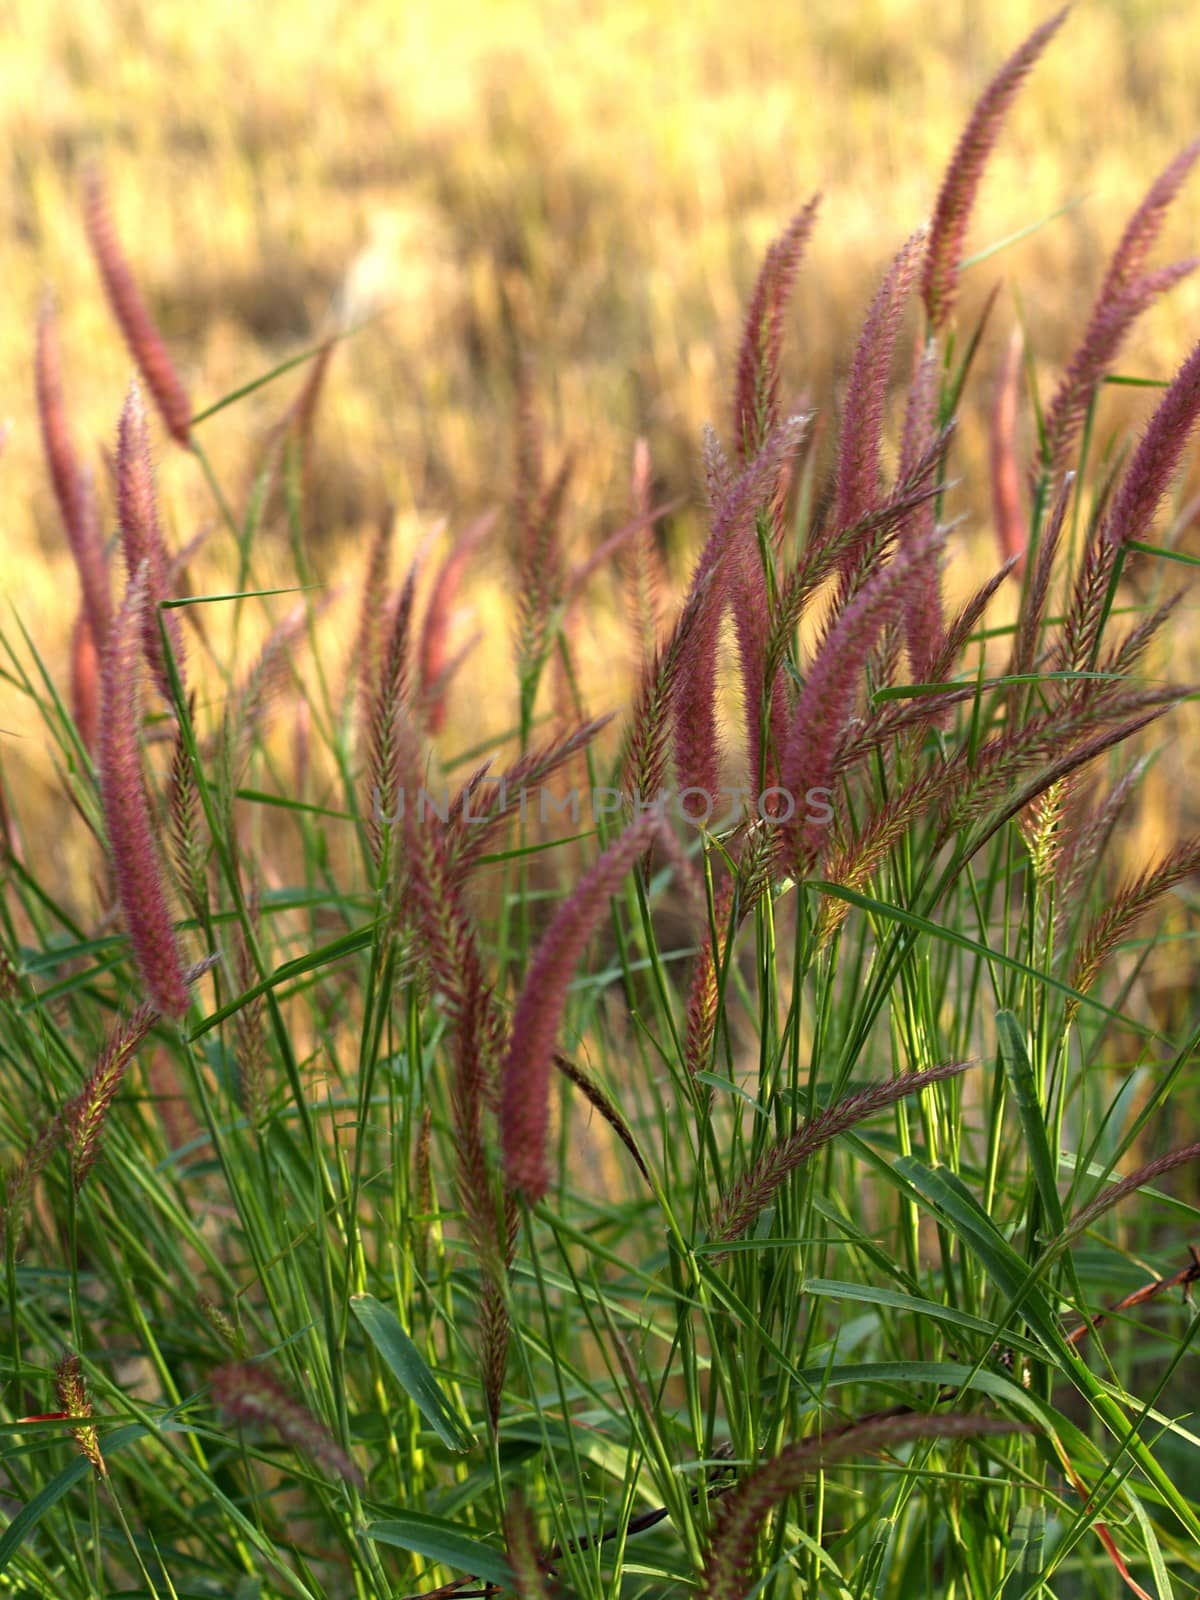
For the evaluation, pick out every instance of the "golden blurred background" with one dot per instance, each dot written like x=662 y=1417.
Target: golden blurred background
x=592 y=184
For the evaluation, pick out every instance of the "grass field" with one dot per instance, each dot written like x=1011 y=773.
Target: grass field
x=604 y=1210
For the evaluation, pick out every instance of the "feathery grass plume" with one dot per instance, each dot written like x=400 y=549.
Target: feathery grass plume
x=1101 y=344
x=854 y=861
x=73 y=489
x=84 y=1115
x=188 y=850
x=390 y=701
x=1083 y=618
x=1124 y=294
x=737 y=895
x=1011 y=532
x=1086 y=832
x=1143 y=228
x=961 y=627
x=85 y=682
x=828 y=699
x=731 y=544
x=906 y=517
x=131 y=833
x=956 y=199
x=299 y=425
x=449 y=944
x=1122 y=658
x=137 y=325
x=468 y=1096
x=923 y=611
x=250 y=1396
x=76 y=1402
x=485 y=800
x=751 y=607
x=1156 y=459
x=1047 y=746
x=436 y=906
x=703 y=998
x=433 y=656
x=142 y=540
x=920 y=426
x=525 y=1076
x=858 y=470
x=1126 y=908
x=538 y=508
x=495 y=1325
x=874 y=533
x=752 y=1193
x=521 y=1547
x=728 y=1573
x=756 y=400
x=303 y=412
x=1039 y=825
x=222 y=1325
x=1130 y=1185
x=1020 y=790
x=270 y=672
x=694 y=703
x=451 y=951
x=891 y=721
x=598 y=1098
x=642 y=567
x=368 y=644
x=645 y=756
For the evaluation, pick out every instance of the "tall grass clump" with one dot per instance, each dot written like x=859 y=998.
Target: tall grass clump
x=724 y=1149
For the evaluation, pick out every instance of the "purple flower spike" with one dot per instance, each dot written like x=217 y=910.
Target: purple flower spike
x=1157 y=458
x=127 y=816
x=939 y=283
x=142 y=540
x=525 y=1081
x=862 y=425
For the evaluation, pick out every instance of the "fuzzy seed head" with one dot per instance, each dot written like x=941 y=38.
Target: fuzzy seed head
x=131 y=832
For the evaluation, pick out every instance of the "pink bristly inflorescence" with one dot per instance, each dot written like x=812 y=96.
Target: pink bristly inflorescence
x=828 y=699
x=250 y=1396
x=756 y=400
x=939 y=281
x=527 y=1069
x=141 y=335
x=1157 y=458
x=131 y=833
x=73 y=487
x=1124 y=294
x=142 y=541
x=866 y=391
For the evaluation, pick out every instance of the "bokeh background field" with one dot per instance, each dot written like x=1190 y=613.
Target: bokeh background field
x=589 y=184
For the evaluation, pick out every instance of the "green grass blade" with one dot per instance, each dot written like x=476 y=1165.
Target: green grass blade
x=406 y=1364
